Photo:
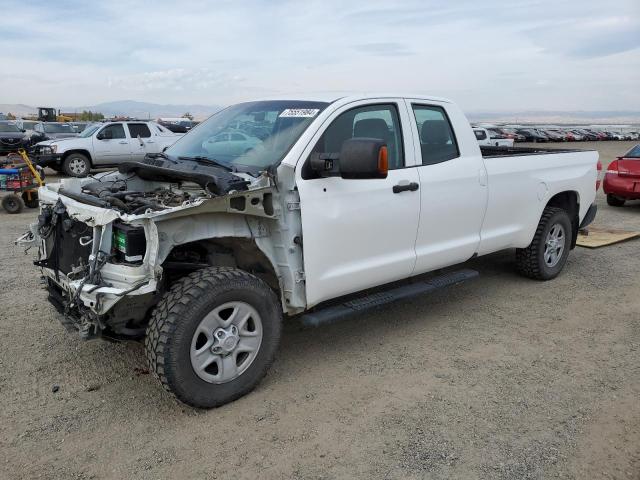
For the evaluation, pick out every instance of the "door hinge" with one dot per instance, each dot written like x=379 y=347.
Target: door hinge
x=299 y=276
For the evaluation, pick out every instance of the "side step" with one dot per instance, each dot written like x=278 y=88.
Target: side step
x=337 y=312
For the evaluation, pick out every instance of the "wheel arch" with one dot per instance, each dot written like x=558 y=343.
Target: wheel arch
x=569 y=201
x=237 y=252
x=220 y=240
x=78 y=150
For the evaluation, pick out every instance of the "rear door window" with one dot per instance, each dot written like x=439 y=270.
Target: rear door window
x=437 y=140
x=141 y=129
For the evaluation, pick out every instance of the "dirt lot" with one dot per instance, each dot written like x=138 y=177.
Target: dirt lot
x=500 y=378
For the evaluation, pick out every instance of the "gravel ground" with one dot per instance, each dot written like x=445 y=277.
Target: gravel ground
x=499 y=378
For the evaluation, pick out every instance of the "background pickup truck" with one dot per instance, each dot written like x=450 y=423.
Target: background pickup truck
x=485 y=140
x=341 y=205
x=103 y=145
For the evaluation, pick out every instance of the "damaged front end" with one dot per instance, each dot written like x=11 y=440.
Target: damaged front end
x=109 y=245
x=91 y=258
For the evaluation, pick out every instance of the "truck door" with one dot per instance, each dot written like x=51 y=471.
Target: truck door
x=111 y=145
x=359 y=233
x=143 y=145
x=453 y=186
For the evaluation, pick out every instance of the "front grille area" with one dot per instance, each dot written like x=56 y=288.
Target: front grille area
x=69 y=252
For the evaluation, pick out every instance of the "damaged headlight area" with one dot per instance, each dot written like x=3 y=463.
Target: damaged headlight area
x=87 y=276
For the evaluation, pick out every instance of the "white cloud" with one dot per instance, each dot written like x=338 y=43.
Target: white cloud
x=486 y=55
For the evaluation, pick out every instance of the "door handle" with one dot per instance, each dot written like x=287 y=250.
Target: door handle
x=411 y=187
x=123 y=143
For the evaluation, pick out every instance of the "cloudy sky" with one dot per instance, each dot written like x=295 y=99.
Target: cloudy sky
x=488 y=55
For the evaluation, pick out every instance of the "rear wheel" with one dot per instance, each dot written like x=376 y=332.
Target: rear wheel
x=615 y=201
x=547 y=254
x=213 y=336
x=76 y=165
x=12 y=203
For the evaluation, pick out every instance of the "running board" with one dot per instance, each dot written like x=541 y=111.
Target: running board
x=337 y=312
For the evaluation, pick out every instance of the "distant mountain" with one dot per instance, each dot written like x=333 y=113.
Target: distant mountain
x=18 y=109
x=132 y=108
x=127 y=108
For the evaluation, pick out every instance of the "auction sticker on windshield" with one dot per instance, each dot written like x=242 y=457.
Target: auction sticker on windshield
x=299 y=112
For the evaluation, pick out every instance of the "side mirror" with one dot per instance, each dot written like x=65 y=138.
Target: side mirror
x=364 y=158
x=140 y=140
x=358 y=158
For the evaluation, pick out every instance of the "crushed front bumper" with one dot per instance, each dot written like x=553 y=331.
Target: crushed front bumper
x=48 y=159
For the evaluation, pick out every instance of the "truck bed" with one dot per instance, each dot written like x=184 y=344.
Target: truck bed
x=491 y=151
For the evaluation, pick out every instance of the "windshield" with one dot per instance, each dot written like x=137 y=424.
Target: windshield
x=90 y=130
x=249 y=136
x=8 y=128
x=28 y=125
x=57 y=128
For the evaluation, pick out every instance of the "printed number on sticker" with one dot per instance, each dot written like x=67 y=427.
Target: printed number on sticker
x=299 y=112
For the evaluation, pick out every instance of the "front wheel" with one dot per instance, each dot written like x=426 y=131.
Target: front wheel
x=76 y=165
x=547 y=254
x=213 y=336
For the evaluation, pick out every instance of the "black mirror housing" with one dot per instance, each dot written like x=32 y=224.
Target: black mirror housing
x=363 y=158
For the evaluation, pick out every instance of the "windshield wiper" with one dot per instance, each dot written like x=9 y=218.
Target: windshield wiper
x=208 y=161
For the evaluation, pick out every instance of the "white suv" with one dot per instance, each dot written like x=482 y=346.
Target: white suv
x=103 y=145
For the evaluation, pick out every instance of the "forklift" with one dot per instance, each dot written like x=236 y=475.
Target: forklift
x=49 y=114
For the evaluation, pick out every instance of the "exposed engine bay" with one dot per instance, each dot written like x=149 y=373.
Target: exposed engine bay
x=115 y=194
x=181 y=181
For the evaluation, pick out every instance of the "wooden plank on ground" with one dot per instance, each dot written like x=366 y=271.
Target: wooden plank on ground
x=601 y=237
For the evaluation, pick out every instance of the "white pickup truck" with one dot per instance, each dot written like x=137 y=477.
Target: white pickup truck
x=103 y=145
x=344 y=205
x=484 y=138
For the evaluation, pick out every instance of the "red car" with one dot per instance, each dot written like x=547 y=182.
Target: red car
x=622 y=178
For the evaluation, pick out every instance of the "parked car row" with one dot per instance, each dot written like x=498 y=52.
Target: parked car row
x=177 y=125
x=557 y=134
x=16 y=134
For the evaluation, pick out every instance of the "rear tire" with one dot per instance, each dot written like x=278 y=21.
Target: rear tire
x=614 y=201
x=547 y=254
x=12 y=203
x=189 y=329
x=76 y=165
